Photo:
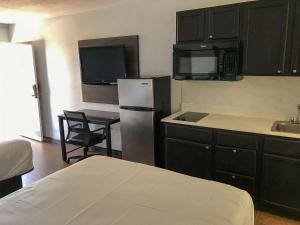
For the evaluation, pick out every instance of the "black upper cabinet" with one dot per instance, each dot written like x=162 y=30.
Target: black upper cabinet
x=224 y=22
x=208 y=24
x=269 y=30
x=295 y=60
x=191 y=25
x=266 y=24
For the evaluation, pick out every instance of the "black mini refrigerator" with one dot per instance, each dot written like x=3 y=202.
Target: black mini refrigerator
x=143 y=103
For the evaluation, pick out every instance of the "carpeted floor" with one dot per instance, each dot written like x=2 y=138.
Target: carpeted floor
x=47 y=160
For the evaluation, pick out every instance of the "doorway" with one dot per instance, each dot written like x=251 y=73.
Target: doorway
x=19 y=93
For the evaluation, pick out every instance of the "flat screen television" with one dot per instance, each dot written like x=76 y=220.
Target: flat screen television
x=102 y=65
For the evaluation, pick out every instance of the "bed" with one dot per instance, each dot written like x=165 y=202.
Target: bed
x=109 y=191
x=15 y=160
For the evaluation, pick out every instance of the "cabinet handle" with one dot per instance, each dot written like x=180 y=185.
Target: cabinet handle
x=233 y=177
x=210 y=36
x=234 y=150
x=279 y=71
x=295 y=71
x=207 y=147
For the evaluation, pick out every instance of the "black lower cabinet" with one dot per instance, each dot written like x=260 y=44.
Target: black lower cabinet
x=281 y=182
x=236 y=167
x=236 y=160
x=240 y=181
x=189 y=158
x=267 y=167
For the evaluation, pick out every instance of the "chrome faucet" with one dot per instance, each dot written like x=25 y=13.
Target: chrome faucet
x=296 y=120
x=298 y=115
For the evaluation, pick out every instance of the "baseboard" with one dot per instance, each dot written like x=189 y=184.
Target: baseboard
x=102 y=151
x=51 y=140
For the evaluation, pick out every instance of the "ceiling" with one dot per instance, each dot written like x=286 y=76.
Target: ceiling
x=12 y=11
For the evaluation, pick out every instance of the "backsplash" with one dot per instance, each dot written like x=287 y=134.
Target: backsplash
x=263 y=97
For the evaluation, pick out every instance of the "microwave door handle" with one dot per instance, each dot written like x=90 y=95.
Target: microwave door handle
x=235 y=66
x=224 y=62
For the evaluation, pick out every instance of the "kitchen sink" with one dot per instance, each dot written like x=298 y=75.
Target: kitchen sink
x=191 y=116
x=285 y=126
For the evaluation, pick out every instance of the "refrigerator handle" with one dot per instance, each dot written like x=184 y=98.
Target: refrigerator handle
x=134 y=108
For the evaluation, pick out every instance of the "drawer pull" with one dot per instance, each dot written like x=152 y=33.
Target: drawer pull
x=233 y=177
x=234 y=151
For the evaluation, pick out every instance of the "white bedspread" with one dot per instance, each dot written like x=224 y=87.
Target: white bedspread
x=107 y=191
x=15 y=158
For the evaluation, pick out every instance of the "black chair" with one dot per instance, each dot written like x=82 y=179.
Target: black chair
x=79 y=134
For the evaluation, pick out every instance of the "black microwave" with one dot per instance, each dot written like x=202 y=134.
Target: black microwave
x=208 y=61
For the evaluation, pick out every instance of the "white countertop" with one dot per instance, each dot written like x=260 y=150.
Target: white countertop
x=233 y=123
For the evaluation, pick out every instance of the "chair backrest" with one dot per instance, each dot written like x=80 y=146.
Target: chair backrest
x=77 y=122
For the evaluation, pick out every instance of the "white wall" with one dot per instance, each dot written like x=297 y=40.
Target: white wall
x=154 y=21
x=4 y=33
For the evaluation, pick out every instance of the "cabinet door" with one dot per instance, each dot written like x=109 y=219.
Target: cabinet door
x=281 y=182
x=295 y=67
x=189 y=158
x=223 y=22
x=191 y=25
x=265 y=37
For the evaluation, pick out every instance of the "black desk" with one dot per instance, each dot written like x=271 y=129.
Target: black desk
x=95 y=117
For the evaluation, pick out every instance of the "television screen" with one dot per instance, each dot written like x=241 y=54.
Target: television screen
x=102 y=64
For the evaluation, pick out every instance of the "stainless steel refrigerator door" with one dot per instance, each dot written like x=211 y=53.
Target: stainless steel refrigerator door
x=136 y=92
x=137 y=132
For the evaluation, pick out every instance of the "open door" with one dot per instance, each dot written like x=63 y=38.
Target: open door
x=19 y=93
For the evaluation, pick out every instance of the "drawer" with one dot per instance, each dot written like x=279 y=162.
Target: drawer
x=243 y=182
x=201 y=135
x=237 y=140
x=281 y=146
x=236 y=160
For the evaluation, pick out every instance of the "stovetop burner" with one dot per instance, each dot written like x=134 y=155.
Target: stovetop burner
x=191 y=116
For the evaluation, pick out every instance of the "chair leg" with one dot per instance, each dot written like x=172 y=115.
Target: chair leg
x=85 y=151
x=78 y=158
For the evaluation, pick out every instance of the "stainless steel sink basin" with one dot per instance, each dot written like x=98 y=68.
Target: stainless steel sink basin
x=285 y=126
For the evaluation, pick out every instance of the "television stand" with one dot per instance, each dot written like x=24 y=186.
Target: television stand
x=104 y=83
x=100 y=93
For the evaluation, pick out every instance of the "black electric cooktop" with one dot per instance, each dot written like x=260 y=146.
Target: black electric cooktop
x=191 y=116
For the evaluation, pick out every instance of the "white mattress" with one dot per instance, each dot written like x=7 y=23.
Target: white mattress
x=107 y=191
x=15 y=158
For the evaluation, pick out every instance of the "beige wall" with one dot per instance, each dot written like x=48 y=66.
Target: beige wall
x=3 y=33
x=266 y=97
x=154 y=21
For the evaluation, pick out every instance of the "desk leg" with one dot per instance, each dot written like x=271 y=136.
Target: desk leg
x=62 y=139
x=108 y=140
